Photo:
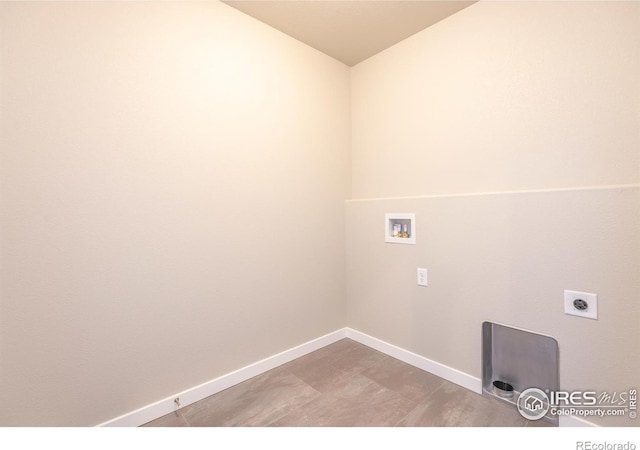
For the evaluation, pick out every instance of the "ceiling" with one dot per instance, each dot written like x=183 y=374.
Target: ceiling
x=350 y=30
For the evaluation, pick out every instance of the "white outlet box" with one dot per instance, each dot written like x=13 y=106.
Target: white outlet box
x=422 y=277
x=581 y=304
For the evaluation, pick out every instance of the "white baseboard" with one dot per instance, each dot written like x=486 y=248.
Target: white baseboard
x=448 y=373
x=192 y=395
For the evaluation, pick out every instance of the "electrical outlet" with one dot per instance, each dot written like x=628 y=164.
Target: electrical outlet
x=581 y=304
x=422 y=277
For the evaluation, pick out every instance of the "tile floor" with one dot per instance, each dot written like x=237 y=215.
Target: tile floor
x=346 y=384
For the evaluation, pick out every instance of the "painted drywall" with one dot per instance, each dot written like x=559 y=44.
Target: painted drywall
x=173 y=178
x=504 y=259
x=503 y=96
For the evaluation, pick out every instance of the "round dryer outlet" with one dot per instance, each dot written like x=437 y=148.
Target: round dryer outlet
x=580 y=305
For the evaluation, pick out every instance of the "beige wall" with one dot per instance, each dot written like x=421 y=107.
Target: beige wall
x=504 y=259
x=173 y=178
x=504 y=96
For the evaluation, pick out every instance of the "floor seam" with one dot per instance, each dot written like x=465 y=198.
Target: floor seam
x=349 y=382
x=184 y=418
x=302 y=381
x=298 y=407
x=442 y=383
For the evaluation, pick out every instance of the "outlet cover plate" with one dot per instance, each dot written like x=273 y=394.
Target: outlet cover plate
x=422 y=277
x=592 y=304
